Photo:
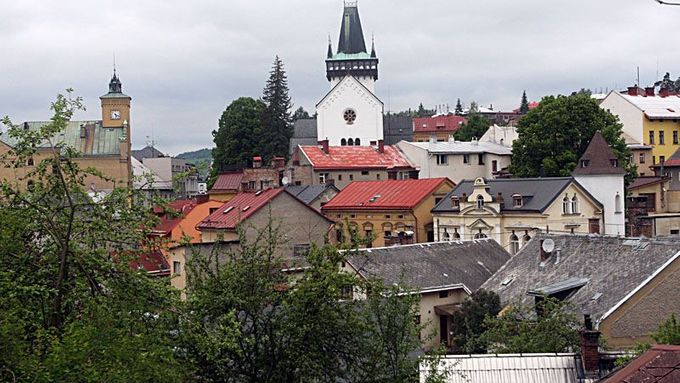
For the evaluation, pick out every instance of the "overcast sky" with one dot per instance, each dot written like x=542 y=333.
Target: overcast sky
x=183 y=62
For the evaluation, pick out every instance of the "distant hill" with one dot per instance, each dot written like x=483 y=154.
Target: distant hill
x=197 y=156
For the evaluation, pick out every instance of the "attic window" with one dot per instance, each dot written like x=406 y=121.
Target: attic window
x=455 y=202
x=245 y=208
x=584 y=163
x=227 y=210
x=517 y=200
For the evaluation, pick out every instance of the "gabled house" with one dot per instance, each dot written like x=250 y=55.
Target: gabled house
x=178 y=223
x=627 y=286
x=315 y=196
x=659 y=364
x=511 y=211
x=389 y=212
x=341 y=165
x=440 y=127
x=442 y=273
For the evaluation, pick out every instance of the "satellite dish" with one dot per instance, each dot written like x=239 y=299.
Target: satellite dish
x=548 y=245
x=285 y=181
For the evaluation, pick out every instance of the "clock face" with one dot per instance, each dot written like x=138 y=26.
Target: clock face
x=115 y=115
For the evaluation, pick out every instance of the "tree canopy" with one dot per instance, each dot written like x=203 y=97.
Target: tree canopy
x=277 y=128
x=475 y=127
x=300 y=114
x=468 y=323
x=554 y=135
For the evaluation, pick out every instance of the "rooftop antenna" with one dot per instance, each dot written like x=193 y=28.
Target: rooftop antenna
x=638 y=76
x=114 y=63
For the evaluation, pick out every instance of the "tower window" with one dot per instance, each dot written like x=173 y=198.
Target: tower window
x=480 y=202
x=343 y=142
x=642 y=158
x=349 y=115
x=350 y=142
x=357 y=141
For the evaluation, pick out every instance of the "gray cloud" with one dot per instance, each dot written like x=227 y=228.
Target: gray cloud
x=183 y=62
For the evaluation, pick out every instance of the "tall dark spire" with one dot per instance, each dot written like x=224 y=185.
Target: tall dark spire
x=330 y=48
x=115 y=86
x=351 y=34
x=373 y=47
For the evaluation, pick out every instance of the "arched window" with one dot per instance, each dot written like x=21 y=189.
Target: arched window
x=357 y=142
x=566 y=208
x=617 y=203
x=446 y=236
x=526 y=238
x=514 y=243
x=350 y=142
x=480 y=235
x=480 y=201
x=456 y=234
x=343 y=142
x=574 y=205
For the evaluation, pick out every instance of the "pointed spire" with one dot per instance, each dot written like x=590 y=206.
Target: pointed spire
x=330 y=48
x=373 y=46
x=115 y=86
x=598 y=159
x=351 y=34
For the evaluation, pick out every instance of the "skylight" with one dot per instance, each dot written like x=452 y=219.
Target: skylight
x=246 y=208
x=227 y=210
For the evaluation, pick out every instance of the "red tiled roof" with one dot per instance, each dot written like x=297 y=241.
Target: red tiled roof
x=227 y=181
x=153 y=262
x=598 y=158
x=171 y=219
x=391 y=194
x=442 y=123
x=355 y=157
x=238 y=209
x=661 y=364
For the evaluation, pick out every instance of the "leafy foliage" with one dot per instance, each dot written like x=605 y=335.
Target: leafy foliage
x=468 y=324
x=300 y=114
x=237 y=139
x=72 y=308
x=475 y=127
x=554 y=135
x=522 y=330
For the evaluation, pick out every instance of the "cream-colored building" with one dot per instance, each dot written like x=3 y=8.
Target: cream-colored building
x=457 y=160
x=512 y=211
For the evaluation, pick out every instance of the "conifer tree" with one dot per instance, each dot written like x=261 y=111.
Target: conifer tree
x=277 y=128
x=524 y=105
x=459 y=108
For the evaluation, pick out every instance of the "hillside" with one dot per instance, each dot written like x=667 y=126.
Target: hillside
x=201 y=155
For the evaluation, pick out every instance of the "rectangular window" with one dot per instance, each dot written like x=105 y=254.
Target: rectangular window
x=494 y=166
x=653 y=160
x=662 y=159
x=480 y=159
x=675 y=137
x=364 y=172
x=377 y=176
x=177 y=267
x=442 y=159
x=651 y=137
x=466 y=158
x=443 y=294
x=323 y=177
x=661 y=137
x=642 y=158
x=675 y=231
x=339 y=177
x=351 y=177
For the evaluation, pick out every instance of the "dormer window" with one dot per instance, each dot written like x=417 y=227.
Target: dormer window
x=584 y=163
x=480 y=202
x=455 y=202
x=516 y=200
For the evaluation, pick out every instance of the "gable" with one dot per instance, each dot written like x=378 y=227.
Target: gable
x=350 y=84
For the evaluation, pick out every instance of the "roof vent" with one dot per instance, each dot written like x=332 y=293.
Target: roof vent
x=246 y=208
x=507 y=281
x=227 y=210
x=258 y=192
x=374 y=198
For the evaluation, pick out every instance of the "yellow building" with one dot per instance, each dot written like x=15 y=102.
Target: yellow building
x=389 y=212
x=649 y=118
x=511 y=211
x=103 y=144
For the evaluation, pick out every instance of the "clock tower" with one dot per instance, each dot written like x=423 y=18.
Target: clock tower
x=115 y=106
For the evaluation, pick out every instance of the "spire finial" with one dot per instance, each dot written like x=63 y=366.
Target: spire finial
x=373 y=45
x=114 y=64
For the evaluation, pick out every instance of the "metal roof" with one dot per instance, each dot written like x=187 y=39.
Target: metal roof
x=460 y=147
x=512 y=368
x=309 y=193
x=554 y=288
x=387 y=194
x=351 y=35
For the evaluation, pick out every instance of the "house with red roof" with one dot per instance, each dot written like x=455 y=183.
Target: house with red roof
x=438 y=128
x=296 y=227
x=387 y=212
x=257 y=177
x=341 y=165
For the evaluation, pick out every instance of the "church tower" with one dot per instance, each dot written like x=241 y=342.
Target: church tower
x=352 y=57
x=115 y=105
x=350 y=114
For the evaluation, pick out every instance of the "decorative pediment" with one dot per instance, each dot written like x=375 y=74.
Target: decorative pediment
x=479 y=224
x=485 y=210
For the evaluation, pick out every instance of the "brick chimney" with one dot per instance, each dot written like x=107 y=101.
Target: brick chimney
x=381 y=146
x=257 y=162
x=649 y=91
x=324 y=146
x=590 y=354
x=664 y=92
x=541 y=252
x=634 y=91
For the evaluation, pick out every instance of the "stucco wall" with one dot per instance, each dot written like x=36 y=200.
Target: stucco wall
x=605 y=188
x=630 y=116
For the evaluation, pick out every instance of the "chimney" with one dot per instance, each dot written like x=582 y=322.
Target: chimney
x=664 y=92
x=381 y=146
x=543 y=254
x=324 y=146
x=633 y=90
x=649 y=91
x=202 y=198
x=257 y=162
x=590 y=354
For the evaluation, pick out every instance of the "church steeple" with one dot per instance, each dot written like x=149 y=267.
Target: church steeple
x=373 y=47
x=329 y=54
x=351 y=35
x=115 y=86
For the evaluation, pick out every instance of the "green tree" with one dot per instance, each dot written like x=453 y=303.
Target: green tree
x=668 y=331
x=469 y=323
x=72 y=308
x=236 y=140
x=459 y=108
x=276 y=128
x=300 y=114
x=475 y=127
x=423 y=112
x=549 y=327
x=554 y=135
x=668 y=84
x=524 y=104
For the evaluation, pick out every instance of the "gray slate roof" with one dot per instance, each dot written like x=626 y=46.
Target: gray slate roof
x=612 y=266
x=309 y=193
x=147 y=152
x=304 y=133
x=427 y=265
x=397 y=128
x=537 y=193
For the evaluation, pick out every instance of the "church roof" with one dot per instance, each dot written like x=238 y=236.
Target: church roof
x=355 y=157
x=598 y=159
x=351 y=35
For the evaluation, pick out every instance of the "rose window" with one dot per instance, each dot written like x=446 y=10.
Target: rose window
x=349 y=115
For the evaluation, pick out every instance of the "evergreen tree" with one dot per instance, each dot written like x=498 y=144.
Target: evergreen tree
x=459 y=108
x=277 y=128
x=524 y=105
